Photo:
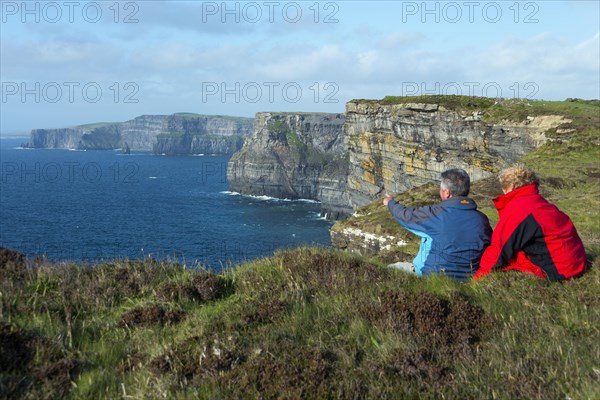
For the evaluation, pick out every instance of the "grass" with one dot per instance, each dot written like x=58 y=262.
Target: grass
x=305 y=323
x=584 y=113
x=314 y=323
x=191 y=116
x=569 y=165
x=96 y=125
x=452 y=102
x=184 y=115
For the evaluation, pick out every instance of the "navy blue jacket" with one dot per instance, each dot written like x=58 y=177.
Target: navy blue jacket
x=453 y=236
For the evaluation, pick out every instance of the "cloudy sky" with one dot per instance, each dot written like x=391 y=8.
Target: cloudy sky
x=66 y=63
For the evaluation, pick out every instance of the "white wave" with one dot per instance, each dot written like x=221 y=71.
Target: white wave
x=298 y=200
x=269 y=198
x=153 y=177
x=320 y=217
x=198 y=155
x=265 y=198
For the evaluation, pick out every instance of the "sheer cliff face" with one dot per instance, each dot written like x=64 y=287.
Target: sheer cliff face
x=393 y=148
x=205 y=135
x=198 y=144
x=347 y=161
x=294 y=156
x=69 y=138
x=168 y=134
x=140 y=133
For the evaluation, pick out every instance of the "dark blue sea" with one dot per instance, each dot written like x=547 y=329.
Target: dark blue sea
x=94 y=206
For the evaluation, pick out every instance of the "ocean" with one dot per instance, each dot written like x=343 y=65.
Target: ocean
x=95 y=206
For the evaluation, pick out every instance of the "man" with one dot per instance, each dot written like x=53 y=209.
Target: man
x=532 y=235
x=453 y=233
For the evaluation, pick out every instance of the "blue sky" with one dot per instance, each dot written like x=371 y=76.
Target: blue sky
x=66 y=63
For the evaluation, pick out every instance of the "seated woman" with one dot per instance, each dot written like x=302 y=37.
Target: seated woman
x=532 y=235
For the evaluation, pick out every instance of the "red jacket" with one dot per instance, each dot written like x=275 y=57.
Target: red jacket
x=533 y=236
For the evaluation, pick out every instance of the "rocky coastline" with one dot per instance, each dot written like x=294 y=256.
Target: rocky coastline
x=348 y=160
x=176 y=134
x=295 y=156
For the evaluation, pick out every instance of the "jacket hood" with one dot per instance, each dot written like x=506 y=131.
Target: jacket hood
x=501 y=201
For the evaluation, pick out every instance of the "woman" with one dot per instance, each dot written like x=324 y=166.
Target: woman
x=532 y=235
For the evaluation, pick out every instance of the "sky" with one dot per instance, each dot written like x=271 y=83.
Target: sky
x=66 y=63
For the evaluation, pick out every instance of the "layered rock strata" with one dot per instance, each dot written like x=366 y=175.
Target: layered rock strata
x=395 y=147
x=163 y=134
x=295 y=156
x=348 y=160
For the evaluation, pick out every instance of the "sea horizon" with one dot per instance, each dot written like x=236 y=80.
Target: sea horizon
x=98 y=205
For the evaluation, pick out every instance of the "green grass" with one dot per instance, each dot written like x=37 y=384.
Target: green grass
x=305 y=323
x=569 y=165
x=190 y=116
x=184 y=115
x=452 y=102
x=96 y=125
x=584 y=113
x=316 y=323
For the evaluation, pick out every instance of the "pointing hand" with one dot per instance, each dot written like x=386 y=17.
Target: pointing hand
x=387 y=199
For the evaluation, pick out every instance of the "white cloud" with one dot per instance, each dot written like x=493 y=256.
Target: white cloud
x=548 y=60
x=299 y=62
x=588 y=52
x=399 y=40
x=172 y=51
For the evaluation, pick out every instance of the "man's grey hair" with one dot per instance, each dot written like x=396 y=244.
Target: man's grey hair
x=456 y=181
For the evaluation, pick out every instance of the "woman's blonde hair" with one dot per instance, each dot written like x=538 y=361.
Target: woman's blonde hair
x=517 y=176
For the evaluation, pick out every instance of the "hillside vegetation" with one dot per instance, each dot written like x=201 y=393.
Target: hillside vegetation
x=309 y=323
x=314 y=323
x=568 y=164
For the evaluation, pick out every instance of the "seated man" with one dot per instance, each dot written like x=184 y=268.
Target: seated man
x=532 y=234
x=453 y=233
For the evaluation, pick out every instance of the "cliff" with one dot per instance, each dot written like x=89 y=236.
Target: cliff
x=181 y=133
x=203 y=135
x=389 y=145
x=294 y=155
x=395 y=146
x=399 y=145
x=197 y=144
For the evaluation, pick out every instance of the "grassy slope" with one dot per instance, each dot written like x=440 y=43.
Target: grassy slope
x=312 y=323
x=96 y=125
x=569 y=165
x=184 y=115
x=308 y=323
x=191 y=116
